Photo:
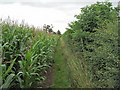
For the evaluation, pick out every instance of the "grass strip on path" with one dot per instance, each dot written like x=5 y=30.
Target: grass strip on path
x=60 y=69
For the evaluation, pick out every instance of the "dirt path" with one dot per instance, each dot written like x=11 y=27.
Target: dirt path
x=49 y=78
x=63 y=43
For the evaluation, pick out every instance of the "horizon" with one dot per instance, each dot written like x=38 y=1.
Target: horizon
x=40 y=12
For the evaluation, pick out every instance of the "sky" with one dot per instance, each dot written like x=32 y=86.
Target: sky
x=39 y=12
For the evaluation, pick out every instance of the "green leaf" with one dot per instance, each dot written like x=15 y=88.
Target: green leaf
x=9 y=69
x=8 y=81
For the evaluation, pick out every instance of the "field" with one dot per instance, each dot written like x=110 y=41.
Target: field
x=85 y=56
x=26 y=54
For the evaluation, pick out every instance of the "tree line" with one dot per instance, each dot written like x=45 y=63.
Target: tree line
x=49 y=28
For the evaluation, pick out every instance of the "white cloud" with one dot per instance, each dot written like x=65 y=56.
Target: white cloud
x=39 y=12
x=35 y=16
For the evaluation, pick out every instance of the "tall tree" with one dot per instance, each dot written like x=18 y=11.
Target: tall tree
x=58 y=32
x=48 y=28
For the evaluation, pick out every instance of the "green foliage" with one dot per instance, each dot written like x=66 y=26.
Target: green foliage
x=54 y=32
x=48 y=28
x=103 y=58
x=80 y=77
x=8 y=81
x=92 y=16
x=8 y=70
x=25 y=55
x=58 y=32
x=14 y=39
x=95 y=35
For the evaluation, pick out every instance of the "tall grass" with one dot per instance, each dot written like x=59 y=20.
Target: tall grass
x=80 y=76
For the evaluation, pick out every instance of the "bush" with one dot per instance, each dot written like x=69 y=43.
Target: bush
x=95 y=35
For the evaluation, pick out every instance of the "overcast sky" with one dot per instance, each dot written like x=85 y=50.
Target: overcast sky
x=40 y=12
